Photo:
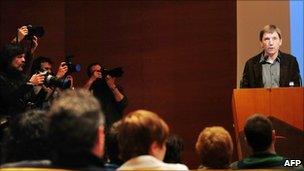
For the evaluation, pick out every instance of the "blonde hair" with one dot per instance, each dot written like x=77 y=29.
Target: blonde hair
x=215 y=147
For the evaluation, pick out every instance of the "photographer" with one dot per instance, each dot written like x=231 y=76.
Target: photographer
x=110 y=96
x=46 y=93
x=16 y=91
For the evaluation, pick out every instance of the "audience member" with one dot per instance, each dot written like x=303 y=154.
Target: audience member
x=174 y=146
x=27 y=139
x=215 y=147
x=113 y=158
x=261 y=137
x=76 y=131
x=142 y=141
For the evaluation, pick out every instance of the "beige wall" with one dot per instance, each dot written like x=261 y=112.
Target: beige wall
x=252 y=16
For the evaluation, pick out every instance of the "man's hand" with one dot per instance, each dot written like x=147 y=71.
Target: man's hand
x=111 y=82
x=69 y=77
x=62 y=70
x=22 y=32
x=96 y=74
x=34 y=44
x=37 y=79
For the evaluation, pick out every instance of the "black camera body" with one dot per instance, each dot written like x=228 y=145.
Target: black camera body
x=115 y=72
x=72 y=67
x=37 y=31
x=52 y=81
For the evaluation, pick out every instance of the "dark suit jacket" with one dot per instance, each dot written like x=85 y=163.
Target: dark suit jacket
x=289 y=72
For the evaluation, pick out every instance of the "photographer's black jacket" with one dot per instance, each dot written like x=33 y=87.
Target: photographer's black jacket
x=112 y=109
x=15 y=94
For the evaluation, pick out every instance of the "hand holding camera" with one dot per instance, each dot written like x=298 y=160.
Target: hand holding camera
x=22 y=32
x=29 y=33
x=37 y=79
x=111 y=82
x=96 y=74
x=62 y=70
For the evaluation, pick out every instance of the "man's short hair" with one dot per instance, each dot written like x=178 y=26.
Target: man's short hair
x=75 y=117
x=270 y=29
x=112 y=144
x=28 y=137
x=258 y=131
x=175 y=146
x=215 y=147
x=138 y=130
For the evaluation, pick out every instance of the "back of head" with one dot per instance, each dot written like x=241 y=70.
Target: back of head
x=137 y=132
x=270 y=29
x=258 y=131
x=8 y=53
x=74 y=121
x=28 y=137
x=215 y=147
x=174 y=146
x=112 y=144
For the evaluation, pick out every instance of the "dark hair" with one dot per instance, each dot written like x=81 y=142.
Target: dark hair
x=258 y=131
x=112 y=144
x=9 y=51
x=74 y=121
x=138 y=130
x=175 y=146
x=28 y=137
x=270 y=29
x=36 y=66
x=89 y=72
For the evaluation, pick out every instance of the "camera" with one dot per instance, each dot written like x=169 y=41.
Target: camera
x=72 y=67
x=37 y=31
x=115 y=72
x=52 y=81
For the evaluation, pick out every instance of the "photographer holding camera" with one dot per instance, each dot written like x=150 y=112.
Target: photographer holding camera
x=53 y=83
x=16 y=85
x=16 y=90
x=102 y=84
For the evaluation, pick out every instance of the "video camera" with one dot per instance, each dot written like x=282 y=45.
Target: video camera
x=37 y=31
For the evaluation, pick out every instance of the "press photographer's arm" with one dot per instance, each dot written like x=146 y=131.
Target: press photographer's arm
x=111 y=83
x=21 y=33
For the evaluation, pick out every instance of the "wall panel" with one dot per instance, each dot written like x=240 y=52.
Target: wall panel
x=179 y=57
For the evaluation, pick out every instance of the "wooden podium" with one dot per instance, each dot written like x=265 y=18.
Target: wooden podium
x=283 y=106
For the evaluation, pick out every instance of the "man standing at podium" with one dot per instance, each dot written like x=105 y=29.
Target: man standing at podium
x=271 y=68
